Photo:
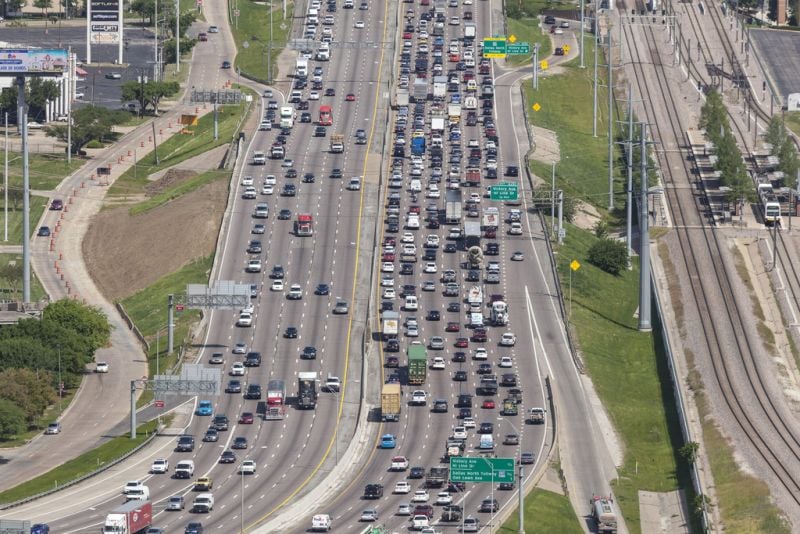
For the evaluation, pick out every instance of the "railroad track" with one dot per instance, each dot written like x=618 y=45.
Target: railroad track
x=760 y=420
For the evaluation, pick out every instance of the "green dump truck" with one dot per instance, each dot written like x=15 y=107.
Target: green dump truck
x=417 y=363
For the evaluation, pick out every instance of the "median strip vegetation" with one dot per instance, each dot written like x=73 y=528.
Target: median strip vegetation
x=253 y=28
x=545 y=511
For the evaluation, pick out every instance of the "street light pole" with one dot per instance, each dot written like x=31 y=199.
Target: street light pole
x=521 y=482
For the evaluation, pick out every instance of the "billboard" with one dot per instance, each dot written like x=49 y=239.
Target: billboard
x=36 y=62
x=105 y=21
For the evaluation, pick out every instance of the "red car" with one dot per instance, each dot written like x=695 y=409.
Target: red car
x=246 y=418
x=488 y=404
x=350 y=97
x=453 y=327
x=406 y=35
x=413 y=209
x=463 y=343
x=389 y=241
x=479 y=336
x=389 y=256
x=490 y=232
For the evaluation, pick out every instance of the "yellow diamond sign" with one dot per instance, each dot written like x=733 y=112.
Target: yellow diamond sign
x=544 y=64
x=566 y=49
x=575 y=265
x=536 y=107
x=512 y=38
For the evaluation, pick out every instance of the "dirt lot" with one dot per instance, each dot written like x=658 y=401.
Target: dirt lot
x=125 y=254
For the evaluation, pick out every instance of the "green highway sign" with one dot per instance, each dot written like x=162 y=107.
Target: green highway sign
x=518 y=49
x=505 y=191
x=494 y=47
x=463 y=469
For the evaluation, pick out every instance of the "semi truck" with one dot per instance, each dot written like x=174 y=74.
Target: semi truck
x=499 y=313
x=417 y=363
x=454 y=112
x=307 y=390
x=129 y=518
x=337 y=143
x=436 y=477
x=470 y=31
x=602 y=510
x=475 y=295
x=418 y=146
x=491 y=217
x=420 y=89
x=452 y=207
x=304 y=225
x=472 y=177
x=391 y=324
x=439 y=86
x=390 y=402
x=287 y=116
x=301 y=70
x=437 y=124
x=401 y=97
x=276 y=392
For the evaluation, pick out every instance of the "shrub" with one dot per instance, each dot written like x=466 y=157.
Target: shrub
x=609 y=255
x=94 y=143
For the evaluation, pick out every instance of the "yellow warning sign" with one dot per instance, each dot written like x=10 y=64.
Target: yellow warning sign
x=544 y=64
x=566 y=49
x=536 y=107
x=575 y=265
x=512 y=38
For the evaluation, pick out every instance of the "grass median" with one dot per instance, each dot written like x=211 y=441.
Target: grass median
x=253 y=28
x=545 y=511
x=81 y=466
x=11 y=279
x=38 y=205
x=148 y=310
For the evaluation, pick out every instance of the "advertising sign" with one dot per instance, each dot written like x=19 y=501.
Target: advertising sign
x=41 y=62
x=105 y=21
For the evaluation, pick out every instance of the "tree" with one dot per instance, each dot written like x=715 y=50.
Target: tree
x=145 y=9
x=12 y=419
x=44 y=5
x=609 y=255
x=714 y=116
x=87 y=321
x=37 y=93
x=787 y=155
x=149 y=93
x=170 y=51
x=88 y=122
x=31 y=391
x=775 y=134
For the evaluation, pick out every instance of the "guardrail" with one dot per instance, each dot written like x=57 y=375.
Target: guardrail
x=679 y=401
x=80 y=479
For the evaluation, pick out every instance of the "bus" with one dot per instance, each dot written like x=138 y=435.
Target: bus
x=325 y=116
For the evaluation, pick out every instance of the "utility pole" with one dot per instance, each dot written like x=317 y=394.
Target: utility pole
x=553 y=198
x=5 y=185
x=610 y=125
x=580 y=44
x=644 y=240
x=171 y=321
x=629 y=162
x=594 y=90
x=22 y=121
x=155 y=44
x=216 y=124
x=560 y=216
x=535 y=66
x=177 y=36
x=69 y=107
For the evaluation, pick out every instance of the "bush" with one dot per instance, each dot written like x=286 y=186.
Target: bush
x=12 y=420
x=609 y=255
x=94 y=143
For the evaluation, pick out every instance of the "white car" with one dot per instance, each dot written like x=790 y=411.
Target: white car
x=468 y=422
x=245 y=319
x=359 y=24
x=430 y=267
x=444 y=497
x=420 y=496
x=408 y=237
x=438 y=363
x=387 y=267
x=247 y=180
x=270 y=180
x=434 y=193
x=515 y=229
x=237 y=369
x=432 y=241
x=455 y=21
x=475 y=197
x=460 y=432
x=253 y=266
x=508 y=339
x=412 y=331
x=313 y=95
x=132 y=486
x=387 y=280
x=480 y=354
x=248 y=467
x=389 y=294
x=402 y=488
x=101 y=367
x=240 y=348
x=277 y=285
x=288 y=162
x=160 y=466
x=399 y=463
x=506 y=362
x=295 y=292
x=418 y=522
x=419 y=397
x=267 y=189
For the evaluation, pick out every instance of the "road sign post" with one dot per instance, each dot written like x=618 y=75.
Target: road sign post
x=494 y=47
x=505 y=191
x=466 y=469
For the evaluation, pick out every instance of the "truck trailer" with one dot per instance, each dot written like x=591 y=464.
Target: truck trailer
x=337 y=143
x=129 y=518
x=390 y=402
x=417 y=363
x=452 y=207
x=276 y=393
x=307 y=390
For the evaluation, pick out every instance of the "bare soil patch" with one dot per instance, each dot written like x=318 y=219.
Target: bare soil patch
x=171 y=178
x=125 y=253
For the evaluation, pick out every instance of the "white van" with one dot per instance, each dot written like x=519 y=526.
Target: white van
x=416 y=186
x=476 y=320
x=411 y=303
x=259 y=158
x=142 y=493
x=486 y=443
x=184 y=469
x=412 y=223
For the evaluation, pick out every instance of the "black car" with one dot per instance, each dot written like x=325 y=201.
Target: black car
x=387 y=305
x=284 y=214
x=228 y=457
x=453 y=307
x=253 y=392
x=305 y=117
x=291 y=173
x=253 y=359
x=239 y=442
x=492 y=249
x=460 y=376
x=459 y=357
x=234 y=386
x=486 y=428
x=254 y=247
x=309 y=353
x=430 y=255
x=322 y=289
x=211 y=435
x=277 y=272
x=392 y=362
x=320 y=131
x=193 y=528
x=373 y=491
x=309 y=178
x=508 y=380
x=289 y=190
x=185 y=444
x=452 y=513
x=407 y=268
x=489 y=505
x=44 y=231
x=464 y=400
x=392 y=346
x=336 y=173
x=439 y=406
x=416 y=472
x=433 y=224
x=506 y=486
x=484 y=369
x=450 y=248
x=434 y=315
x=291 y=332
x=464 y=413
x=527 y=458
x=473 y=276
x=393 y=228
x=330 y=91
x=512 y=170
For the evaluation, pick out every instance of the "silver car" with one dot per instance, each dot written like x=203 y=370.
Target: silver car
x=437 y=343
x=176 y=502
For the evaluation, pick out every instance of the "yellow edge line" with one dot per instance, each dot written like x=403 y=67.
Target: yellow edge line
x=353 y=293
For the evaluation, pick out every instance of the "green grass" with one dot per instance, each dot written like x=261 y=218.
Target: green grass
x=639 y=400
x=528 y=31
x=148 y=310
x=38 y=205
x=180 y=147
x=545 y=512
x=11 y=279
x=80 y=466
x=181 y=189
x=792 y=121
x=566 y=108
x=254 y=28
x=45 y=170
